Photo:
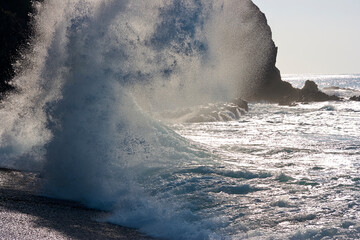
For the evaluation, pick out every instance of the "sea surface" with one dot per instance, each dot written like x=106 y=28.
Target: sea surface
x=277 y=172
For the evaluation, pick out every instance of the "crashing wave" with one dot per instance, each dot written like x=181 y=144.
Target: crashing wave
x=96 y=67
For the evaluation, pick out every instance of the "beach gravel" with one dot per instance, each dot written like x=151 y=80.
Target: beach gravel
x=25 y=214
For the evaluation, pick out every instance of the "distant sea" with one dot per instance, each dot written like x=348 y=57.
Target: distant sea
x=325 y=80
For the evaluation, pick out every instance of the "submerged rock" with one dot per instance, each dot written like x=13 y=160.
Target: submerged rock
x=309 y=93
x=355 y=98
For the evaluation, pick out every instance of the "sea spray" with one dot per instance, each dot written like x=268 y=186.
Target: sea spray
x=167 y=55
x=86 y=89
x=23 y=131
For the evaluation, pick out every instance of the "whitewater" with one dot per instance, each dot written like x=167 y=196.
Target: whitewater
x=285 y=172
x=99 y=114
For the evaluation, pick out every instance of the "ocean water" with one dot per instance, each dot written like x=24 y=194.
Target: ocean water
x=106 y=94
x=284 y=172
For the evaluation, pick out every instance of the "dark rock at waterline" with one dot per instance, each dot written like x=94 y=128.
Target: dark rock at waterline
x=311 y=93
x=355 y=98
x=310 y=87
x=276 y=90
x=285 y=94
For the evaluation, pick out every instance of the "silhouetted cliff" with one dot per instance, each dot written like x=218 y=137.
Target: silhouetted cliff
x=273 y=88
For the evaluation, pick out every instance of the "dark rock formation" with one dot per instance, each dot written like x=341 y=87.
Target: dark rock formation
x=274 y=89
x=355 y=98
x=259 y=52
x=14 y=33
x=309 y=93
x=269 y=87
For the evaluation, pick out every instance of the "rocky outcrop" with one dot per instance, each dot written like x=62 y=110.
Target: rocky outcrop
x=309 y=93
x=355 y=98
x=260 y=76
x=274 y=89
x=269 y=87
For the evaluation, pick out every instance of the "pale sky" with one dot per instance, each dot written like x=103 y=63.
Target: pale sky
x=315 y=36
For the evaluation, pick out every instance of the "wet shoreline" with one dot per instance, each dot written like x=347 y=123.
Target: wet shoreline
x=24 y=214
